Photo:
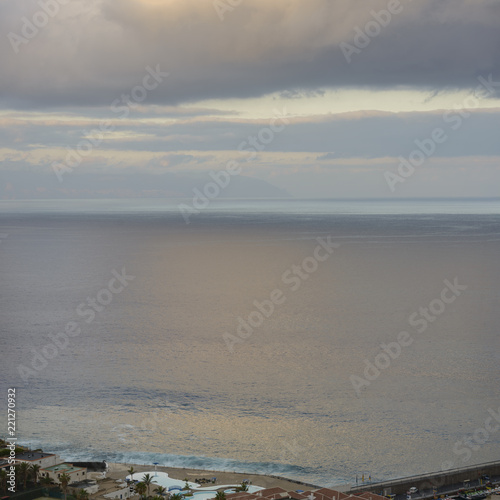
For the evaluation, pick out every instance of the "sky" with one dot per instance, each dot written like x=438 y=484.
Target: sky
x=294 y=98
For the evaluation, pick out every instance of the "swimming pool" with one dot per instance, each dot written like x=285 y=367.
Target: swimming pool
x=203 y=495
x=161 y=479
x=200 y=492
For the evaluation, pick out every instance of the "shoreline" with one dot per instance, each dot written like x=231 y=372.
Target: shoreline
x=120 y=471
x=442 y=482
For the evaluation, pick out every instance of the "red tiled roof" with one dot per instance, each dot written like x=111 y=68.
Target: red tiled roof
x=306 y=493
x=241 y=495
x=250 y=496
x=355 y=497
x=315 y=495
x=319 y=494
x=371 y=496
x=331 y=494
x=295 y=495
x=271 y=491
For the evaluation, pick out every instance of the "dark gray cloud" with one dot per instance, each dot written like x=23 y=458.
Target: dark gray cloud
x=92 y=51
x=299 y=94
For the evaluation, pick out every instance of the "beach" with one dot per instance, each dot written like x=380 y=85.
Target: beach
x=120 y=471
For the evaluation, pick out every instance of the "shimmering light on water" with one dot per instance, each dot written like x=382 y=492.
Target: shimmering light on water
x=151 y=379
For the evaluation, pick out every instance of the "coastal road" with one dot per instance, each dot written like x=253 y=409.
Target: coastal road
x=448 y=489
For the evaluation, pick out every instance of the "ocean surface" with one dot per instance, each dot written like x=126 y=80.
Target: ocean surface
x=162 y=369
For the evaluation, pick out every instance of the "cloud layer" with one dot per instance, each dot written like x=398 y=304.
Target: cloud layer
x=148 y=67
x=92 y=51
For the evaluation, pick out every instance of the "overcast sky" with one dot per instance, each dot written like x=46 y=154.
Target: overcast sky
x=319 y=98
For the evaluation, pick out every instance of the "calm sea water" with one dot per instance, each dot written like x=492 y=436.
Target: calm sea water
x=150 y=378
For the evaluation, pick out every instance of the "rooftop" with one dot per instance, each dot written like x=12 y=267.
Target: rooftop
x=68 y=468
x=371 y=496
x=271 y=491
x=33 y=455
x=333 y=494
x=281 y=494
x=86 y=483
x=295 y=495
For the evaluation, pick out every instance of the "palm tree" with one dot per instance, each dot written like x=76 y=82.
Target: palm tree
x=46 y=480
x=220 y=495
x=82 y=495
x=64 y=479
x=24 y=469
x=176 y=496
x=131 y=472
x=140 y=488
x=3 y=481
x=17 y=469
x=147 y=479
x=35 y=469
x=161 y=490
x=242 y=487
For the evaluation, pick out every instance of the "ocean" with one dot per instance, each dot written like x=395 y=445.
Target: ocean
x=314 y=339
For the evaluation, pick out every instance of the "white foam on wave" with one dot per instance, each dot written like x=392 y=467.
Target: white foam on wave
x=213 y=464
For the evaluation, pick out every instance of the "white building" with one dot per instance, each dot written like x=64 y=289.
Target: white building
x=44 y=460
x=76 y=474
x=120 y=494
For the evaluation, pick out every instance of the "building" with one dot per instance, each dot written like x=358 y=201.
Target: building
x=278 y=493
x=44 y=460
x=76 y=474
x=120 y=494
x=88 y=485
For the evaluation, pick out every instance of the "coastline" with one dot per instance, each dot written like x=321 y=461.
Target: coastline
x=442 y=483
x=119 y=471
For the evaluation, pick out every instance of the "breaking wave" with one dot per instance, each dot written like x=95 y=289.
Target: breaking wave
x=295 y=472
